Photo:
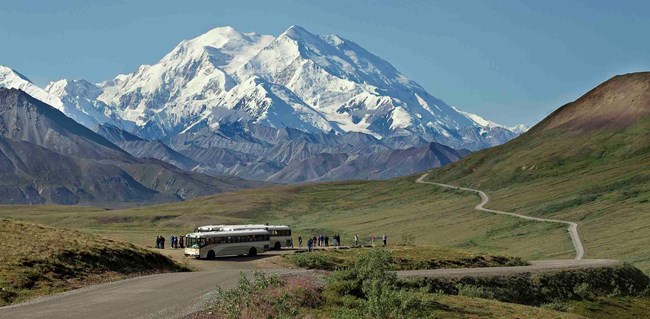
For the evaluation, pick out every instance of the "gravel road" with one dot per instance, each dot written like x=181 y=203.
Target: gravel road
x=572 y=229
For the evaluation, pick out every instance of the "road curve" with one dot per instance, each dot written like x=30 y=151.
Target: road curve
x=573 y=227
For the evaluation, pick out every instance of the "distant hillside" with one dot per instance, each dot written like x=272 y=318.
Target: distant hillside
x=589 y=162
x=46 y=157
x=66 y=259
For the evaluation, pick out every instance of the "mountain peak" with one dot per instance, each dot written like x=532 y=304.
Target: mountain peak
x=297 y=32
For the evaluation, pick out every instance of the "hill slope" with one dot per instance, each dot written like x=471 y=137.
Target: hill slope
x=65 y=259
x=589 y=162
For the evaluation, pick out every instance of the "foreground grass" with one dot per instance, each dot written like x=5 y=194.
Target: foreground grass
x=402 y=258
x=38 y=260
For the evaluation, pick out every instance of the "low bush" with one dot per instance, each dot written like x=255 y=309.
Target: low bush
x=538 y=289
x=557 y=306
x=267 y=297
x=314 y=261
x=474 y=291
x=368 y=289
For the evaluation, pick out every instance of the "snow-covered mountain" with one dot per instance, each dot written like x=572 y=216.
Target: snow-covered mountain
x=76 y=99
x=297 y=79
x=249 y=105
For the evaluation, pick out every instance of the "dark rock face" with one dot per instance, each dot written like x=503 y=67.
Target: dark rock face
x=45 y=157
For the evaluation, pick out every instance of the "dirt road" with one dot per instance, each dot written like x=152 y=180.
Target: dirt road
x=573 y=227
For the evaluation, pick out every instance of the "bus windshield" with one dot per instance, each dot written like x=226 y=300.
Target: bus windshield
x=195 y=242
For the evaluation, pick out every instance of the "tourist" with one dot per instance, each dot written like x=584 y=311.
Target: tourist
x=384 y=238
x=327 y=241
x=299 y=241
x=309 y=243
x=181 y=242
x=356 y=240
x=372 y=240
x=162 y=242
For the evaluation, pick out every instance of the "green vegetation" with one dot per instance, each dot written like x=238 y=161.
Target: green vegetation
x=545 y=288
x=402 y=258
x=37 y=260
x=366 y=289
x=427 y=215
x=599 y=178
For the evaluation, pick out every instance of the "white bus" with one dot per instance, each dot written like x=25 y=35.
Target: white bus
x=280 y=234
x=227 y=243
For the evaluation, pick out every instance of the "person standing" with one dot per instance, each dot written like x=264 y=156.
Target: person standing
x=181 y=241
x=309 y=243
x=162 y=242
x=384 y=238
x=327 y=241
x=372 y=240
x=299 y=241
x=158 y=242
x=356 y=240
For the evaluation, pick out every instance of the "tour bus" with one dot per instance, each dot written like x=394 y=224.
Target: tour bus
x=280 y=234
x=227 y=243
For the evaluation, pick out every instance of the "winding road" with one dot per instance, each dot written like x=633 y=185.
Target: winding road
x=573 y=227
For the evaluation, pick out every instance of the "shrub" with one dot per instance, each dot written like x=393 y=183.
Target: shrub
x=475 y=291
x=538 y=289
x=583 y=291
x=368 y=289
x=557 y=306
x=266 y=297
x=407 y=239
x=313 y=261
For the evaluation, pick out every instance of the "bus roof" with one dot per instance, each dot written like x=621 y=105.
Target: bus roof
x=226 y=233
x=238 y=227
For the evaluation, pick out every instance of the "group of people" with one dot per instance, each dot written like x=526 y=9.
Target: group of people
x=323 y=241
x=174 y=242
x=320 y=241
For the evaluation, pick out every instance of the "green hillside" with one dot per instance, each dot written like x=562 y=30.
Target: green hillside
x=593 y=172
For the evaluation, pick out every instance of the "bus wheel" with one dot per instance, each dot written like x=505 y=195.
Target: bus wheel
x=211 y=254
x=252 y=252
x=277 y=246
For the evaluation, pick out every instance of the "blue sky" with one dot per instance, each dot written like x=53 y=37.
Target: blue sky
x=509 y=61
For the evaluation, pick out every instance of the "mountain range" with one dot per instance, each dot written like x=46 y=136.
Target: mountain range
x=256 y=106
x=48 y=158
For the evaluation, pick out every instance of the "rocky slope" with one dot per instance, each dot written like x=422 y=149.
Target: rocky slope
x=46 y=157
